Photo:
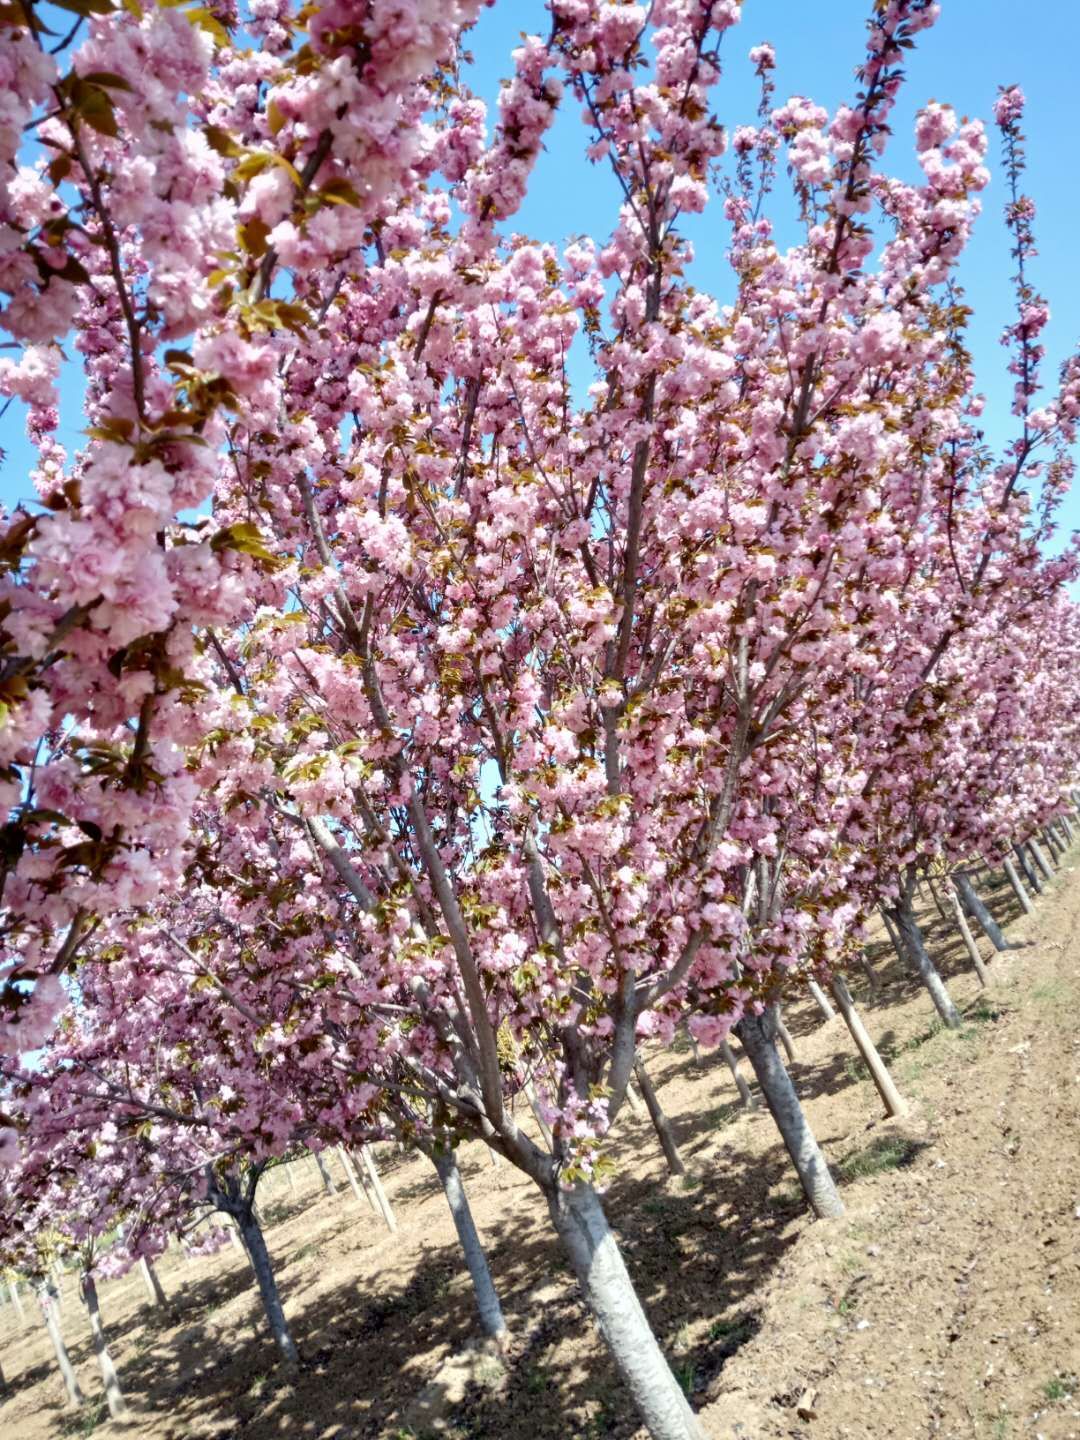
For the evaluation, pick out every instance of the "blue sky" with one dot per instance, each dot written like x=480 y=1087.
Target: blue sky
x=976 y=45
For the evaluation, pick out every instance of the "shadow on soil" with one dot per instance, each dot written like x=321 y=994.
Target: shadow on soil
x=699 y=1252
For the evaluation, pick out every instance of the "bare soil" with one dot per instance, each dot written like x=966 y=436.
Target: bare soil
x=946 y=1303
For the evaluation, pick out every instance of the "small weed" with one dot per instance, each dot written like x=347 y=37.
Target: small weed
x=85 y=1420
x=1050 y=992
x=731 y=1333
x=1060 y=1387
x=999 y=1427
x=258 y=1385
x=787 y=1195
x=657 y=1206
x=884 y=1154
x=853 y=1070
x=983 y=1013
x=536 y=1381
x=681 y=1341
x=310 y=1251
x=686 y=1375
x=691 y=1182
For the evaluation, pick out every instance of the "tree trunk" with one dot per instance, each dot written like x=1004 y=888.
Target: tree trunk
x=1040 y=859
x=114 y=1396
x=935 y=897
x=63 y=1359
x=978 y=911
x=661 y=1124
x=632 y=1099
x=355 y=1180
x=376 y=1184
x=150 y=1279
x=894 y=937
x=1018 y=889
x=268 y=1291
x=821 y=1000
x=743 y=1088
x=904 y=918
x=1031 y=875
x=879 y=1072
x=324 y=1173
x=757 y=1033
x=594 y=1254
x=487 y=1299
x=870 y=973
x=785 y=1037
x=534 y=1106
x=966 y=935
x=16 y=1300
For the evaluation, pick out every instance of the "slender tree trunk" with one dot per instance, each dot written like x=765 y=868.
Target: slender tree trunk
x=879 y=1072
x=632 y=1099
x=234 y=1238
x=936 y=897
x=496 y=1158
x=1018 y=889
x=1066 y=825
x=1031 y=875
x=894 y=937
x=359 y=1190
x=114 y=1396
x=785 y=1037
x=661 y=1124
x=534 y=1106
x=1053 y=844
x=377 y=1185
x=966 y=935
x=63 y=1359
x=594 y=1254
x=749 y=1103
x=978 y=911
x=821 y=1000
x=1040 y=859
x=268 y=1290
x=758 y=1035
x=487 y=1299
x=290 y=1177
x=324 y=1174
x=903 y=916
x=870 y=973
x=16 y=1300
x=151 y=1281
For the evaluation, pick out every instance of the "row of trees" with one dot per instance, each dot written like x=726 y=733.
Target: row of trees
x=482 y=729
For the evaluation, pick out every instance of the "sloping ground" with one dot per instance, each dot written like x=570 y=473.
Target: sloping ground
x=946 y=1303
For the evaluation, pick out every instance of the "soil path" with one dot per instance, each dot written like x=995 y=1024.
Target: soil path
x=946 y=1303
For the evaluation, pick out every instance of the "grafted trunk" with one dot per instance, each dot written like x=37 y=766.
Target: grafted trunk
x=978 y=911
x=758 y=1035
x=879 y=1072
x=324 y=1174
x=268 y=1290
x=1018 y=889
x=151 y=1281
x=487 y=1299
x=594 y=1254
x=1040 y=859
x=661 y=1124
x=1030 y=873
x=967 y=937
x=740 y=1084
x=377 y=1185
x=63 y=1359
x=821 y=1000
x=114 y=1396
x=903 y=915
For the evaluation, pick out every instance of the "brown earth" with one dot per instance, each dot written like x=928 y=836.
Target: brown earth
x=945 y=1303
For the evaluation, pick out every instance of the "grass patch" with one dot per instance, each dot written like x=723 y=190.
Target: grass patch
x=1059 y=1387
x=888 y=1153
x=86 y=1419
x=311 y=1251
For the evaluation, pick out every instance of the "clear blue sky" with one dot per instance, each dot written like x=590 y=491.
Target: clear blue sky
x=976 y=45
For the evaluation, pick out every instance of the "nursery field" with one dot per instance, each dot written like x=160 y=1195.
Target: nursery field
x=946 y=1302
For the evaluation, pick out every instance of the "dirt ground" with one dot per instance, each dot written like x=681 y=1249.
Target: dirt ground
x=945 y=1303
